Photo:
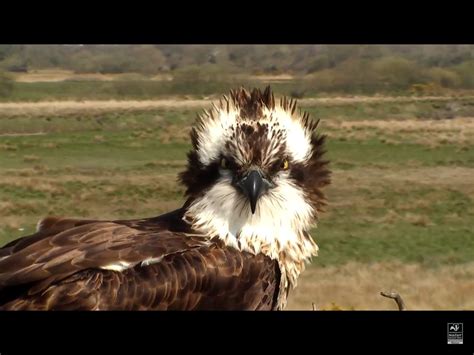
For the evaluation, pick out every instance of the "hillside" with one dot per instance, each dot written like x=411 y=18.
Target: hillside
x=318 y=68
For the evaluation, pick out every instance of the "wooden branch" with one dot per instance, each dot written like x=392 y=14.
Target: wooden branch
x=395 y=296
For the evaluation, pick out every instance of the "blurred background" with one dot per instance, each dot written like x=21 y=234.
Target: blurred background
x=101 y=131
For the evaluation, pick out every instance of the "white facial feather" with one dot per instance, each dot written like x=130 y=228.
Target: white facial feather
x=277 y=229
x=281 y=215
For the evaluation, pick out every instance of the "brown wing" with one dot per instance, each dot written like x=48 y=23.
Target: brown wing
x=46 y=227
x=210 y=277
x=59 y=267
x=70 y=246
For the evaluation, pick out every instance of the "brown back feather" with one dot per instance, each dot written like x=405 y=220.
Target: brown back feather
x=55 y=253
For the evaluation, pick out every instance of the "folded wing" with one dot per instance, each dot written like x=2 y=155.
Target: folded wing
x=135 y=265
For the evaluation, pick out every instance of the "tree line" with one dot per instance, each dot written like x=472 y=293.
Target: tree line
x=351 y=68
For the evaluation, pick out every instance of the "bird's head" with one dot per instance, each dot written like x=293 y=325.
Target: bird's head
x=254 y=178
x=255 y=163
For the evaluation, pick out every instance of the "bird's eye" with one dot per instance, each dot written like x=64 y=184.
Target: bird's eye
x=224 y=163
x=285 y=164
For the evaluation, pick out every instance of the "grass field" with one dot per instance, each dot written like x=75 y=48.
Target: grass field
x=27 y=87
x=401 y=212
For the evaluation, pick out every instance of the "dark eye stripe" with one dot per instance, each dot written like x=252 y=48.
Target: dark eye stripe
x=230 y=164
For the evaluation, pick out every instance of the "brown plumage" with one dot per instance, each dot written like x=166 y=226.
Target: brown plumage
x=58 y=268
x=198 y=257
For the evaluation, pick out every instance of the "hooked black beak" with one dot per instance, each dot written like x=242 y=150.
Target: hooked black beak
x=253 y=186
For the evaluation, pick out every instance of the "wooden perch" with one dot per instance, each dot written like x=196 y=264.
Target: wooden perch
x=395 y=296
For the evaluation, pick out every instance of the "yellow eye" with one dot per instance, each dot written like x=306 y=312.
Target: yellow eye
x=285 y=165
x=224 y=164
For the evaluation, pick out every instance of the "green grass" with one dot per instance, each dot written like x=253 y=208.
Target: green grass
x=93 y=121
x=375 y=153
x=149 y=89
x=97 y=90
x=143 y=89
x=430 y=246
x=440 y=232
x=124 y=165
x=136 y=148
x=108 y=149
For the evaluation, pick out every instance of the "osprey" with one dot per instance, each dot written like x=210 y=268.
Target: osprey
x=253 y=182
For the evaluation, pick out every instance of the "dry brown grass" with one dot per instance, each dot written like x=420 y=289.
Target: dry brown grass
x=31 y=158
x=442 y=177
x=458 y=131
x=403 y=126
x=437 y=175
x=174 y=133
x=402 y=182
x=272 y=78
x=374 y=99
x=70 y=107
x=58 y=75
x=46 y=75
x=55 y=108
x=358 y=286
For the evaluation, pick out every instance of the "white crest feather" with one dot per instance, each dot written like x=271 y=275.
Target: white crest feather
x=216 y=130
